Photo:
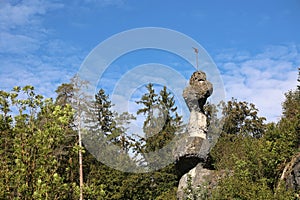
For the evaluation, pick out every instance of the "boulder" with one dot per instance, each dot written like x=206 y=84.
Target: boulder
x=199 y=182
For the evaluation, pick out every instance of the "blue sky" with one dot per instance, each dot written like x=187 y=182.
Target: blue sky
x=255 y=44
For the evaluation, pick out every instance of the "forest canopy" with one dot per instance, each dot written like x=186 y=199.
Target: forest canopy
x=40 y=147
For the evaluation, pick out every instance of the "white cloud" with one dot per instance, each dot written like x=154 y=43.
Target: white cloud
x=24 y=13
x=14 y=43
x=45 y=77
x=21 y=25
x=261 y=79
x=28 y=54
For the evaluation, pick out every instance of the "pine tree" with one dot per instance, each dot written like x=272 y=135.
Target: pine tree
x=65 y=93
x=160 y=126
x=103 y=111
x=104 y=124
x=149 y=101
x=162 y=121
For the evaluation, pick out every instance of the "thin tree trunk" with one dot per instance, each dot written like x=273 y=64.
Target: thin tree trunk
x=80 y=166
x=80 y=154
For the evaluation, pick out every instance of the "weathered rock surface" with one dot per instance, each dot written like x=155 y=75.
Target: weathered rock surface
x=197 y=124
x=192 y=149
x=202 y=180
x=199 y=177
x=196 y=94
x=291 y=173
x=187 y=153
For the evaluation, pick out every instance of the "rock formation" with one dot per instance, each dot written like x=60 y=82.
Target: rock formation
x=291 y=174
x=191 y=152
x=195 y=96
x=192 y=149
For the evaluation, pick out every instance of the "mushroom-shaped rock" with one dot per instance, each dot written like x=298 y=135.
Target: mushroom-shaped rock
x=196 y=93
x=193 y=147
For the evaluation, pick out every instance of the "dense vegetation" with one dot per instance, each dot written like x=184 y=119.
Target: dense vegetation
x=39 y=147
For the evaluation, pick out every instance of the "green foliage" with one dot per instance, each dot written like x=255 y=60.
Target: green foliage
x=253 y=167
x=103 y=182
x=102 y=120
x=170 y=194
x=65 y=93
x=192 y=192
x=39 y=150
x=242 y=118
x=254 y=164
x=160 y=126
x=30 y=146
x=151 y=185
x=39 y=147
x=290 y=122
x=104 y=115
x=162 y=121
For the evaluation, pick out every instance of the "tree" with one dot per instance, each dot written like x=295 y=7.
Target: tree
x=31 y=164
x=242 y=118
x=239 y=121
x=105 y=128
x=162 y=121
x=65 y=93
x=104 y=115
x=149 y=186
x=291 y=111
x=6 y=144
x=160 y=126
x=74 y=94
x=103 y=120
x=80 y=103
x=70 y=151
x=98 y=123
x=254 y=164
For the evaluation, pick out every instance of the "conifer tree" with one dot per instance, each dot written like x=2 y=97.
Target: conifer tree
x=160 y=126
x=162 y=120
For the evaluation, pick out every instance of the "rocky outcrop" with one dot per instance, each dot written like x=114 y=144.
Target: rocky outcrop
x=200 y=179
x=291 y=174
x=195 y=96
x=192 y=149
x=199 y=182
